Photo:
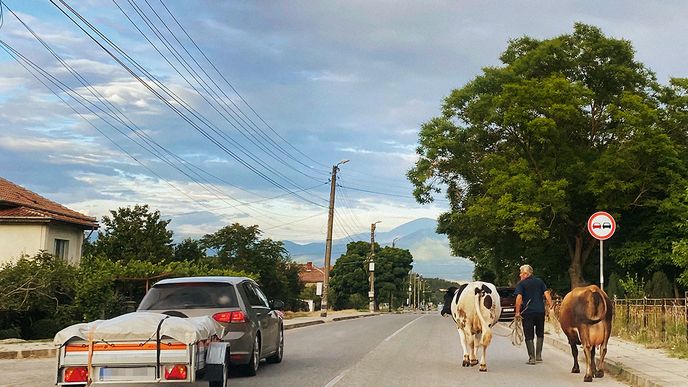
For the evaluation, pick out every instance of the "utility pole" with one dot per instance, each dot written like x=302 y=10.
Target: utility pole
x=394 y=240
x=371 y=267
x=328 y=241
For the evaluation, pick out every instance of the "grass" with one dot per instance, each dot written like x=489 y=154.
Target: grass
x=674 y=341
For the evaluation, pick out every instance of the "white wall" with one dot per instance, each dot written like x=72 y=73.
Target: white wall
x=28 y=239
x=21 y=239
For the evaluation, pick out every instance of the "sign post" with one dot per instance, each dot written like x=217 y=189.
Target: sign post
x=601 y=226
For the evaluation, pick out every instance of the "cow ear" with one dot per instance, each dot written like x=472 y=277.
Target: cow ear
x=477 y=291
x=486 y=289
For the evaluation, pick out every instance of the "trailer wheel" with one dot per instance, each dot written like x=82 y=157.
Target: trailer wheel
x=225 y=374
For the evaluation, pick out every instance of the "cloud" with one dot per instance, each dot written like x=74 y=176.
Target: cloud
x=328 y=76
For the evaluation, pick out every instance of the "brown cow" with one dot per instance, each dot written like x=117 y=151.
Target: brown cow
x=586 y=318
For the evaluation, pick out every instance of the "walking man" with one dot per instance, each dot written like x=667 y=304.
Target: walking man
x=530 y=307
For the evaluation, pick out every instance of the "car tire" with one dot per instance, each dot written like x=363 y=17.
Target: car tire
x=251 y=369
x=277 y=356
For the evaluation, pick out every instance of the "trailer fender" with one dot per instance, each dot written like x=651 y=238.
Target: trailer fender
x=217 y=353
x=216 y=371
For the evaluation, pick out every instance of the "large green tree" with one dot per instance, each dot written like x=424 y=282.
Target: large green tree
x=241 y=248
x=527 y=151
x=350 y=278
x=134 y=234
x=392 y=266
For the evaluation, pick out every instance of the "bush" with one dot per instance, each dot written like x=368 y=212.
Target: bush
x=10 y=333
x=42 y=329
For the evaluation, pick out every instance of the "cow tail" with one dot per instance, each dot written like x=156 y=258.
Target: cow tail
x=485 y=326
x=599 y=308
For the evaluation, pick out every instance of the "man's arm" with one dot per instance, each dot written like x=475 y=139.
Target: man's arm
x=519 y=301
x=548 y=297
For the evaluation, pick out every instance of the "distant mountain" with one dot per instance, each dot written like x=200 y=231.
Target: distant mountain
x=431 y=254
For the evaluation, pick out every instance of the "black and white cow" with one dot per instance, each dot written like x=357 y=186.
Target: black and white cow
x=475 y=307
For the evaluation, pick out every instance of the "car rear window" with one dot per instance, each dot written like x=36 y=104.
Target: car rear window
x=190 y=296
x=509 y=292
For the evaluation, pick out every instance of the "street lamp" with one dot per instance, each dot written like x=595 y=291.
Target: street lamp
x=394 y=240
x=328 y=241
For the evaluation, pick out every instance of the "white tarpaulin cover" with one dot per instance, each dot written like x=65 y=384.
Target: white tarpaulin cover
x=142 y=326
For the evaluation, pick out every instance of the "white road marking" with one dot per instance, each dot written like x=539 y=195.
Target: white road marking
x=402 y=328
x=343 y=373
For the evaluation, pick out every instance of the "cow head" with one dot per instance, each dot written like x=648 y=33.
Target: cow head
x=448 y=297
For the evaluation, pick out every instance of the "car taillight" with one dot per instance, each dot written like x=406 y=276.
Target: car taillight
x=238 y=317
x=175 y=372
x=230 y=317
x=76 y=374
x=223 y=317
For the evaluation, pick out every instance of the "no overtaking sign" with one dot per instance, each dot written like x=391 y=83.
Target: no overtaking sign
x=601 y=225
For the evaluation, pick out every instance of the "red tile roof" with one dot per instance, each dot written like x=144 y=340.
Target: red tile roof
x=20 y=204
x=310 y=274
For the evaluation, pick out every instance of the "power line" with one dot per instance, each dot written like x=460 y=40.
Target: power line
x=171 y=94
x=233 y=89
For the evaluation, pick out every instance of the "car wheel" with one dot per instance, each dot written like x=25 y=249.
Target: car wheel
x=277 y=357
x=251 y=369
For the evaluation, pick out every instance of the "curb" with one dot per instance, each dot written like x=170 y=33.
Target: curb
x=303 y=324
x=611 y=367
x=316 y=322
x=29 y=354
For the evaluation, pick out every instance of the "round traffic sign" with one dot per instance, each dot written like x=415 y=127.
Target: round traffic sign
x=601 y=225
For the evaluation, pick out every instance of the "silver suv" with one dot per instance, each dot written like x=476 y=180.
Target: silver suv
x=253 y=325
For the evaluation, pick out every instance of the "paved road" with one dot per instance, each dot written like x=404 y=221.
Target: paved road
x=386 y=350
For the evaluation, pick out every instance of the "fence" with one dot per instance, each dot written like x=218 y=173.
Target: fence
x=652 y=319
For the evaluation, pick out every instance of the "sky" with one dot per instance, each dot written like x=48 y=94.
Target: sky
x=249 y=104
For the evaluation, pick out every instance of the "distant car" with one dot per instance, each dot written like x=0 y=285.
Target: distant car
x=508 y=301
x=597 y=225
x=254 y=326
x=606 y=225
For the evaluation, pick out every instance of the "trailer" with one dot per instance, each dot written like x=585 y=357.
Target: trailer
x=142 y=347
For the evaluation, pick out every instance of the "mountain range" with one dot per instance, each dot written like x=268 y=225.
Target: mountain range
x=431 y=254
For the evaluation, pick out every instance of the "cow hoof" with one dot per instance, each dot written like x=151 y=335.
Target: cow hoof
x=466 y=363
x=474 y=362
x=599 y=374
x=483 y=368
x=575 y=370
x=587 y=378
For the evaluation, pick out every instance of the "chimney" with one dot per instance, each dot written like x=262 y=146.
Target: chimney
x=309 y=266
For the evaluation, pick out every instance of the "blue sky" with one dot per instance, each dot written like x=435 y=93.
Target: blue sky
x=328 y=80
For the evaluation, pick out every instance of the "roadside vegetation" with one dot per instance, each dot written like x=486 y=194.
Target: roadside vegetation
x=40 y=295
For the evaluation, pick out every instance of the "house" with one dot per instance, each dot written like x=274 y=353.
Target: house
x=311 y=276
x=30 y=223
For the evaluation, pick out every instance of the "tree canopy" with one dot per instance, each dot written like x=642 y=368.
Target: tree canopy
x=134 y=234
x=241 y=248
x=350 y=278
x=527 y=151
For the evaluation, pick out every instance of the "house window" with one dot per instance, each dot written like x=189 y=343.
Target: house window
x=61 y=248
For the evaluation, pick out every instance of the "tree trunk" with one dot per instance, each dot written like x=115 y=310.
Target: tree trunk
x=579 y=251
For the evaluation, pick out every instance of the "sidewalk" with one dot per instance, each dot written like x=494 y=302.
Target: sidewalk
x=22 y=349
x=630 y=362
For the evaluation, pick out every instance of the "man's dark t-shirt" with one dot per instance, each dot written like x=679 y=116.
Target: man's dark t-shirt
x=532 y=290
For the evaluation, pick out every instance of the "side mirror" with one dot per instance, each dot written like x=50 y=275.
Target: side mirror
x=277 y=304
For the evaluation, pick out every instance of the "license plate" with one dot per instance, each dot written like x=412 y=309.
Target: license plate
x=508 y=310
x=127 y=373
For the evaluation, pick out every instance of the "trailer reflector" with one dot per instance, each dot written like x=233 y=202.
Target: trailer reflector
x=76 y=374
x=175 y=372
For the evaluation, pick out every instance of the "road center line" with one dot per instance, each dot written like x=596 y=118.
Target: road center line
x=343 y=373
x=404 y=327
x=337 y=378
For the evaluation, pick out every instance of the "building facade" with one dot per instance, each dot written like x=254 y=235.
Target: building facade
x=30 y=223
